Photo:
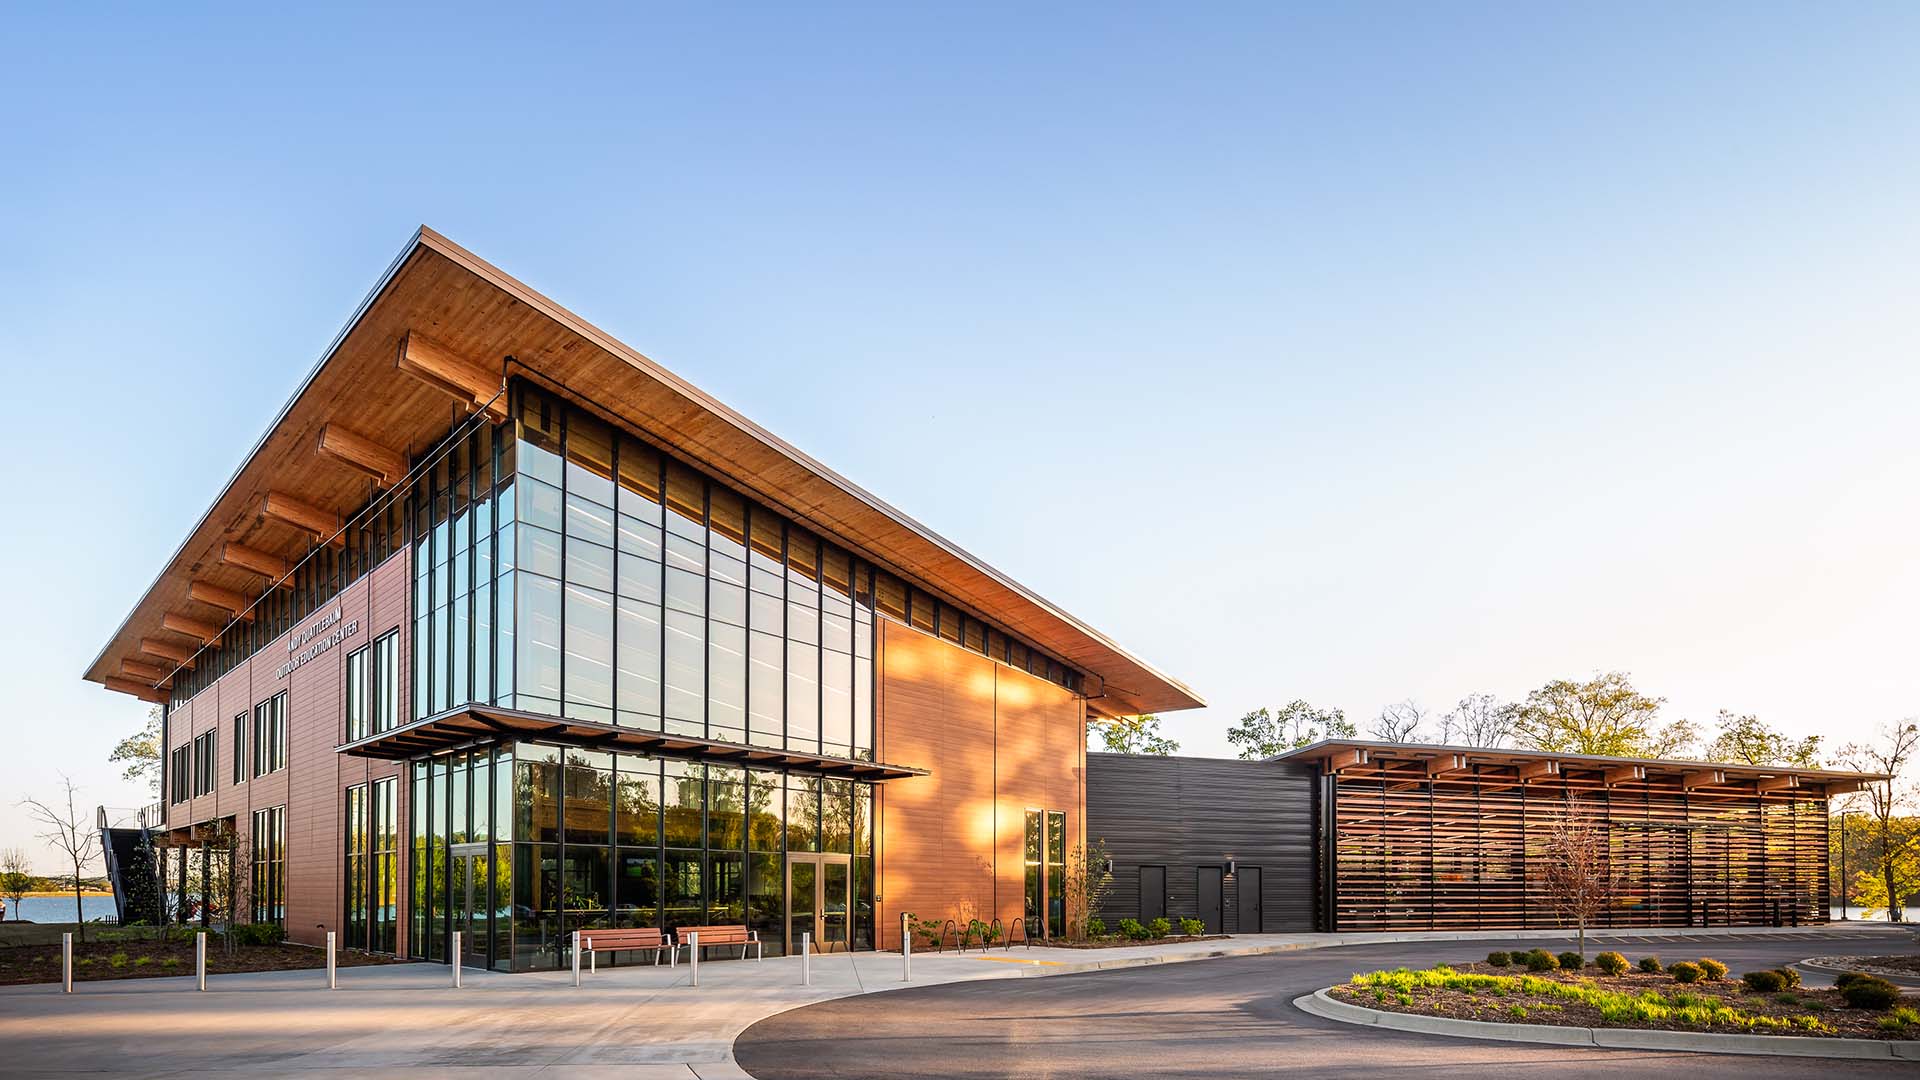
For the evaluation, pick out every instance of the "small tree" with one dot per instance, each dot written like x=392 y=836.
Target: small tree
x=1889 y=757
x=1088 y=882
x=1579 y=881
x=72 y=835
x=16 y=877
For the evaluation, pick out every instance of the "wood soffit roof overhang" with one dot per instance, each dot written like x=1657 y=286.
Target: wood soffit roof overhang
x=367 y=384
x=1336 y=756
x=479 y=725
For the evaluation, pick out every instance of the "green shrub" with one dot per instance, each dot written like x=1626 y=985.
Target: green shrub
x=1714 y=969
x=1498 y=959
x=142 y=961
x=169 y=961
x=1612 y=963
x=1572 y=961
x=1096 y=926
x=1686 y=971
x=1848 y=978
x=1541 y=960
x=1790 y=974
x=1650 y=965
x=117 y=960
x=1518 y=1012
x=1764 y=982
x=1192 y=927
x=1870 y=993
x=259 y=933
x=1133 y=929
x=1900 y=1019
x=1160 y=927
x=1786 y=999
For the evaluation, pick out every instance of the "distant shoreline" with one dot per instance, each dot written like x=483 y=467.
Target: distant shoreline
x=64 y=893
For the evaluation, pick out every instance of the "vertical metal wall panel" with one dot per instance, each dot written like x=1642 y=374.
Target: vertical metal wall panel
x=1184 y=813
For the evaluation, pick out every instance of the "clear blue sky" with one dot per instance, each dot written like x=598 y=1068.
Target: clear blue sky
x=1350 y=354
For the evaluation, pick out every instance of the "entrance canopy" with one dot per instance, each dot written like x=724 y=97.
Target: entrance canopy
x=475 y=725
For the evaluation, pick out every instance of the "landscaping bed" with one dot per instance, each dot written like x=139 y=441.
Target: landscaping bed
x=1900 y=967
x=1634 y=998
x=1118 y=941
x=137 y=958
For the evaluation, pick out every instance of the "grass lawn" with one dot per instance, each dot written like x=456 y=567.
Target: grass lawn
x=1633 y=999
x=138 y=952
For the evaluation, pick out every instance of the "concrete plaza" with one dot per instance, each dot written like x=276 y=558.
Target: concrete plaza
x=635 y=1021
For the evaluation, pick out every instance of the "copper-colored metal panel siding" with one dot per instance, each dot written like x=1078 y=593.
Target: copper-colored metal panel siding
x=997 y=742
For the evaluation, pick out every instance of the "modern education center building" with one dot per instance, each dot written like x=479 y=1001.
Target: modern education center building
x=503 y=628
x=1355 y=835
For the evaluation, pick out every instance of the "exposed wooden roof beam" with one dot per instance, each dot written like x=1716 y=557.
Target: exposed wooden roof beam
x=323 y=524
x=167 y=650
x=265 y=563
x=135 y=687
x=1623 y=774
x=1702 y=778
x=1777 y=783
x=148 y=673
x=356 y=451
x=471 y=384
x=1344 y=759
x=1844 y=787
x=235 y=602
x=208 y=633
x=1538 y=770
x=1446 y=763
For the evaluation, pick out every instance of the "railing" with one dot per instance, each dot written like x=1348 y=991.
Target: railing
x=153 y=815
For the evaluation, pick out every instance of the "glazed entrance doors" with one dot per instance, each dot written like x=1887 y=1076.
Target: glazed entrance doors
x=817 y=896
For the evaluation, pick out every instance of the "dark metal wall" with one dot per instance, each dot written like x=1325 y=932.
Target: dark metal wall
x=1185 y=813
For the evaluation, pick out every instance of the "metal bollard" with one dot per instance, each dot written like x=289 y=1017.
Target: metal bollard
x=576 y=958
x=200 y=959
x=333 y=971
x=456 y=960
x=693 y=966
x=906 y=950
x=66 y=962
x=806 y=959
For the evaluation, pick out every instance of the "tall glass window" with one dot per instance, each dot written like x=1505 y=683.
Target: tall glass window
x=357 y=693
x=269 y=856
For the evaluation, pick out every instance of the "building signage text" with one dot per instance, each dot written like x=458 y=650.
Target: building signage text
x=304 y=645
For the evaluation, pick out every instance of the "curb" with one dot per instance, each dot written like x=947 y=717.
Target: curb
x=1322 y=1004
x=1907 y=983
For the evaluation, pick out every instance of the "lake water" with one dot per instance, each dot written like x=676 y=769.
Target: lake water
x=59 y=909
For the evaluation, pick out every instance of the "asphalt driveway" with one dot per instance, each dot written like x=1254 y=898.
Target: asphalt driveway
x=1229 y=1017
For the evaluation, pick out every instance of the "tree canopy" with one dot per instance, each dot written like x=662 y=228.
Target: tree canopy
x=1748 y=740
x=1262 y=734
x=1603 y=715
x=1136 y=735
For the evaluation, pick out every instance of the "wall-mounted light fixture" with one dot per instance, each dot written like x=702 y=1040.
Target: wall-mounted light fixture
x=1229 y=867
x=1106 y=865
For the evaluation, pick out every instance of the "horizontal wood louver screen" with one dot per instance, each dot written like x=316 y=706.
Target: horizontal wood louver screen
x=1466 y=850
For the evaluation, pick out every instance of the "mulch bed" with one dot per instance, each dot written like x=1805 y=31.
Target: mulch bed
x=1541 y=1009
x=1123 y=942
x=100 y=960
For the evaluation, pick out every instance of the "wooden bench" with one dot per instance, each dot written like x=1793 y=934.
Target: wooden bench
x=720 y=935
x=635 y=939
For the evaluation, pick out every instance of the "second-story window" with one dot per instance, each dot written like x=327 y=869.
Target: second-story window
x=357 y=694
x=270 y=734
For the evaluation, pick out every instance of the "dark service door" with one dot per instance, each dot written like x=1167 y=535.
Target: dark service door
x=1246 y=883
x=1153 y=892
x=1211 y=878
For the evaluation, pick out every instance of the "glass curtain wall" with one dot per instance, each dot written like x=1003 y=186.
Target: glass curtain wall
x=522 y=848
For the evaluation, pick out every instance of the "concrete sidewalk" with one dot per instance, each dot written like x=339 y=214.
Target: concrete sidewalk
x=639 y=1021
